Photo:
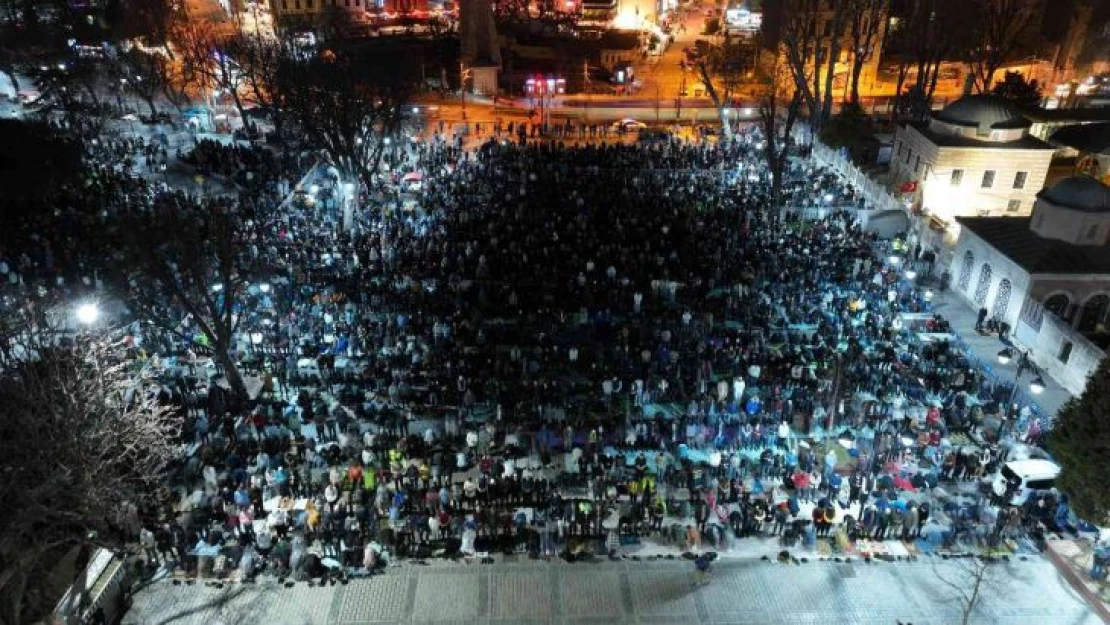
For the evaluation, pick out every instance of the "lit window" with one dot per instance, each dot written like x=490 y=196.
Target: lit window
x=1019 y=179
x=988 y=179
x=957 y=177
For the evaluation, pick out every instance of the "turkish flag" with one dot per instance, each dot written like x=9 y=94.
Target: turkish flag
x=909 y=187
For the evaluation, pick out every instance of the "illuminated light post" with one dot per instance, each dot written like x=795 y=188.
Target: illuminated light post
x=1024 y=363
x=88 y=313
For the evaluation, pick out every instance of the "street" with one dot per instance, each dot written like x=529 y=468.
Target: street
x=751 y=591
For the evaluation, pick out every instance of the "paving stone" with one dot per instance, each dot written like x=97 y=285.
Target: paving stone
x=377 y=599
x=663 y=594
x=740 y=593
x=448 y=597
x=517 y=595
x=590 y=593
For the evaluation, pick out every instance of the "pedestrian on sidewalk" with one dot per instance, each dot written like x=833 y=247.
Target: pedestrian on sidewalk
x=702 y=572
x=982 y=317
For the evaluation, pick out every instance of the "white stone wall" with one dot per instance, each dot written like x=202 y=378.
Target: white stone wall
x=934 y=173
x=1047 y=343
x=1001 y=268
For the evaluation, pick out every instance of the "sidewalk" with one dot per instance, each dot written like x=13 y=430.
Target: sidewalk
x=1073 y=559
x=986 y=348
x=556 y=593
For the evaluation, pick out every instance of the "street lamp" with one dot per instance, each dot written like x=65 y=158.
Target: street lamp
x=264 y=287
x=88 y=313
x=911 y=275
x=1024 y=363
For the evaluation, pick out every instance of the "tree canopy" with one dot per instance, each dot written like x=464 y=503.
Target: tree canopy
x=1025 y=94
x=1080 y=442
x=84 y=447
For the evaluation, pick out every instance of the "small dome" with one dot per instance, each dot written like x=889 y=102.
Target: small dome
x=984 y=112
x=1081 y=193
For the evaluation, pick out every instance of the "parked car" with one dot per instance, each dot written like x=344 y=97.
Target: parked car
x=1019 y=479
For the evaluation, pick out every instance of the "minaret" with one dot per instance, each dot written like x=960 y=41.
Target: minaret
x=481 y=52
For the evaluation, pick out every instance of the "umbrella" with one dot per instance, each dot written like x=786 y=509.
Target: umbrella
x=865 y=396
x=803 y=444
x=413 y=176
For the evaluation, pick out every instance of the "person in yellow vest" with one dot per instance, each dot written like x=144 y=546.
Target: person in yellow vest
x=425 y=472
x=647 y=484
x=369 y=480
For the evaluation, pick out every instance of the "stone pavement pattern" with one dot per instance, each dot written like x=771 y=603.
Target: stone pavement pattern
x=608 y=593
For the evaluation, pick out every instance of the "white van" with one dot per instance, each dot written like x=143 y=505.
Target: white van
x=1026 y=477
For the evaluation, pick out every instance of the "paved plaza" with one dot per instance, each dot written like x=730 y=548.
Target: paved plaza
x=609 y=593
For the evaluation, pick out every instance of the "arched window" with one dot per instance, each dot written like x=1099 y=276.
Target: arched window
x=984 y=285
x=1058 y=305
x=1093 y=312
x=965 y=271
x=1002 y=299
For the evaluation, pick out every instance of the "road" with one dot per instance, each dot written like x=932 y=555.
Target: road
x=531 y=593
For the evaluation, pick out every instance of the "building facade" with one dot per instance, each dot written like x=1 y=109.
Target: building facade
x=973 y=158
x=285 y=10
x=1046 y=276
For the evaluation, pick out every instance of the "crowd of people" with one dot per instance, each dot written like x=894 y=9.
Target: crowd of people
x=552 y=349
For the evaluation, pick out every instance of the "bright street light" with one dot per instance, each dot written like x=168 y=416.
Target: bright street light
x=216 y=288
x=1037 y=385
x=1005 y=356
x=911 y=275
x=264 y=287
x=88 y=313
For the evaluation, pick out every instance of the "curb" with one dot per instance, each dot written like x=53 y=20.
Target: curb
x=1076 y=582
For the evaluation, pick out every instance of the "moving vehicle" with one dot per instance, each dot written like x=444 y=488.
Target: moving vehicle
x=628 y=124
x=1017 y=480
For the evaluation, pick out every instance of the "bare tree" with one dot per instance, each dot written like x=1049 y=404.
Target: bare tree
x=721 y=70
x=811 y=43
x=351 y=104
x=867 y=25
x=967 y=580
x=928 y=34
x=205 y=51
x=84 y=446
x=259 y=59
x=177 y=70
x=777 y=119
x=140 y=74
x=185 y=267
x=1000 y=28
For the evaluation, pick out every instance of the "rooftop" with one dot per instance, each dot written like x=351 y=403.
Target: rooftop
x=1089 y=138
x=983 y=111
x=1026 y=142
x=1089 y=114
x=1037 y=255
x=1081 y=193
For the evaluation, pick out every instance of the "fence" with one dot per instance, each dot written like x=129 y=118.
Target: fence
x=876 y=196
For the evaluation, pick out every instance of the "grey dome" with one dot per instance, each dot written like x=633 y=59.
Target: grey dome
x=1081 y=193
x=984 y=112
